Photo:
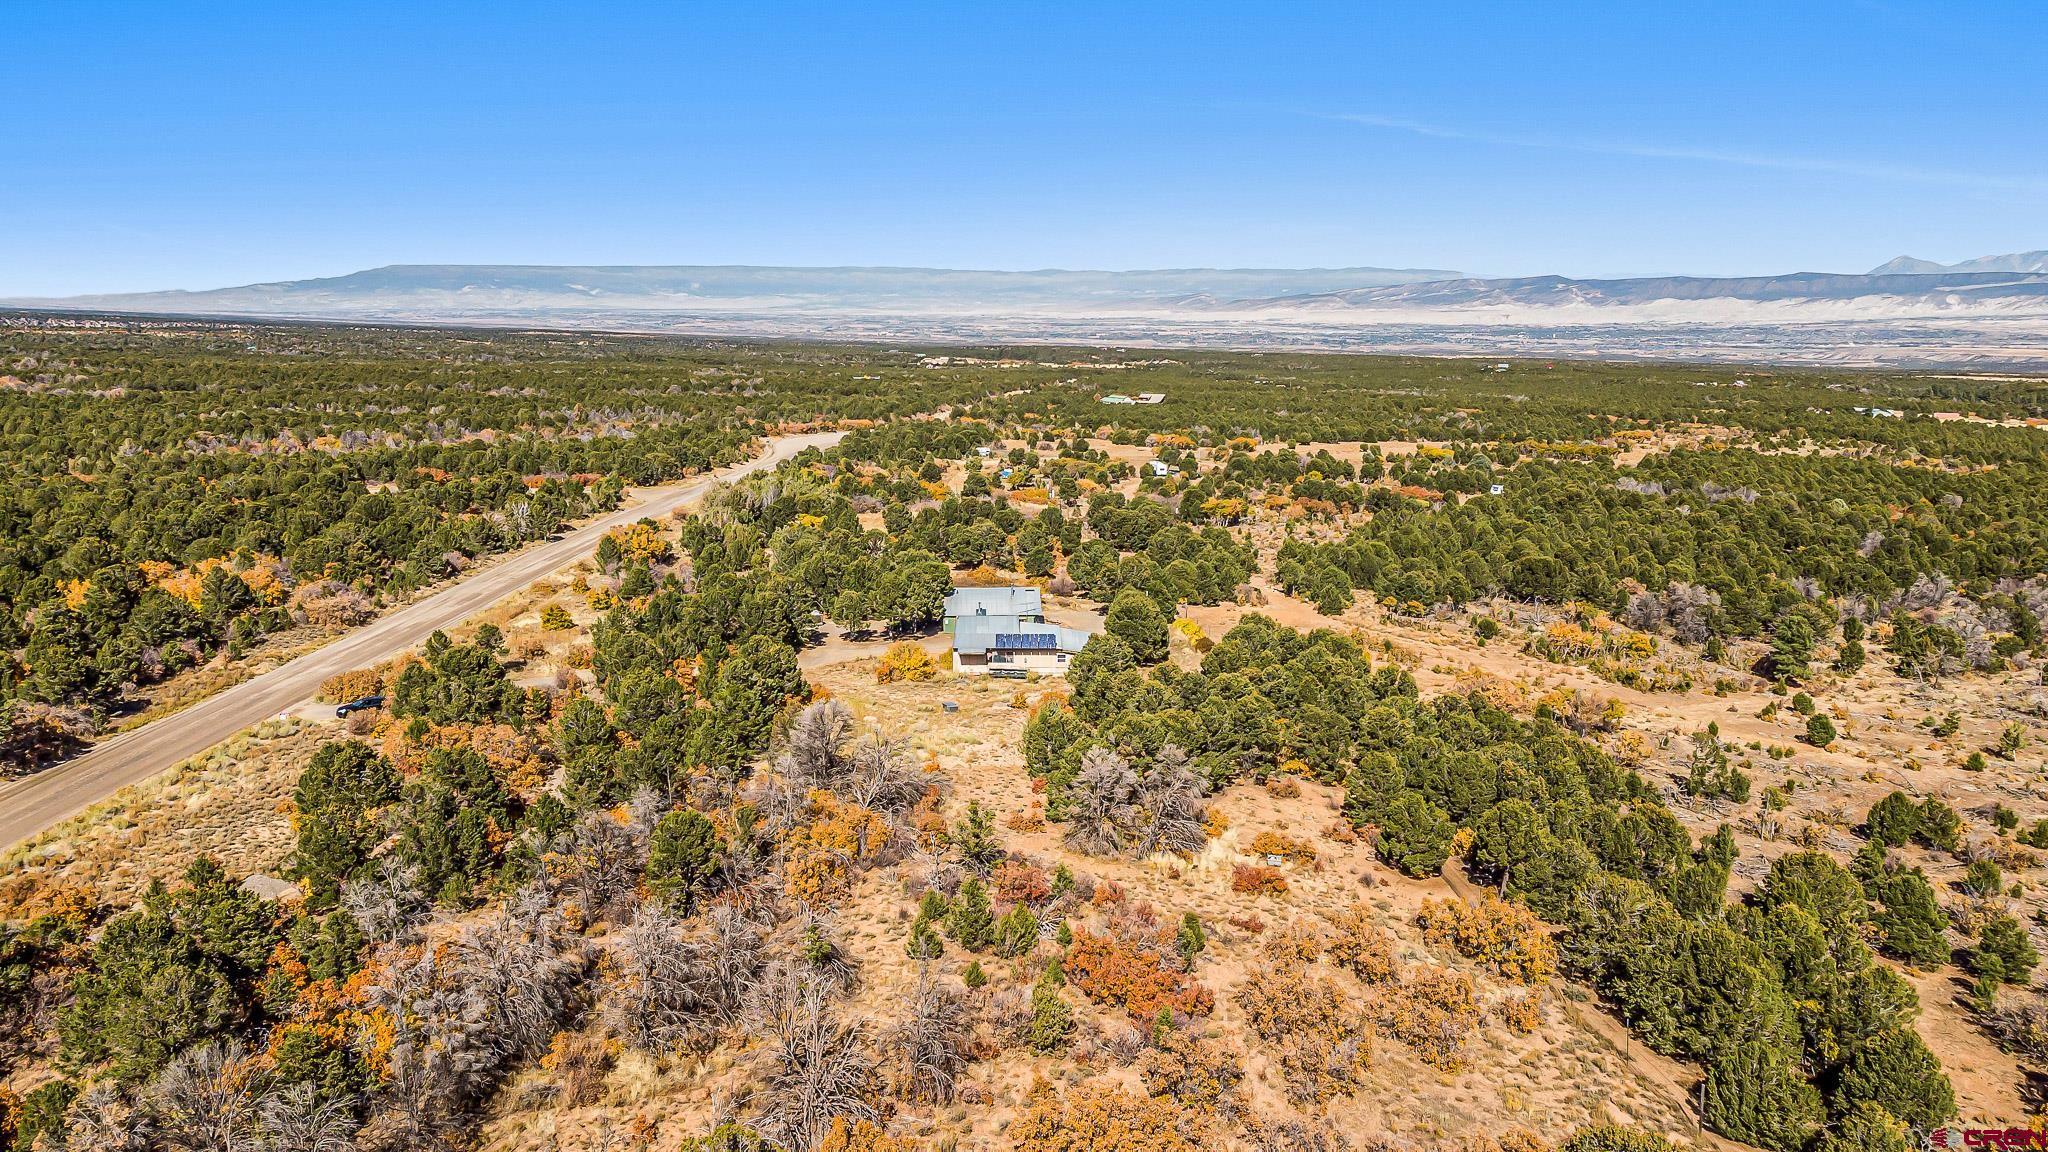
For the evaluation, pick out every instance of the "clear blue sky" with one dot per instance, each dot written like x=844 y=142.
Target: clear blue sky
x=158 y=145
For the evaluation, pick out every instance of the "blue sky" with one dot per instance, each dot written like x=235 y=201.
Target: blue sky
x=159 y=145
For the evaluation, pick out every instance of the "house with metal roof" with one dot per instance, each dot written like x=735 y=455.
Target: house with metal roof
x=1017 y=603
x=1008 y=646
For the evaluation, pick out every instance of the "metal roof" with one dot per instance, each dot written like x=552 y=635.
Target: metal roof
x=978 y=635
x=1005 y=601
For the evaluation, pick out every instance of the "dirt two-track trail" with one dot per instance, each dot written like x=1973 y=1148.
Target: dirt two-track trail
x=34 y=804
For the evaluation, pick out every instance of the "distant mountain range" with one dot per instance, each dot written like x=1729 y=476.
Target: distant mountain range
x=466 y=289
x=2010 y=262
x=1874 y=294
x=2002 y=285
x=1989 y=311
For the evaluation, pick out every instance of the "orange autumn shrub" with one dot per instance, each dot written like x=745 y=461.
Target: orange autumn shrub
x=579 y=1063
x=1505 y=937
x=1286 y=787
x=1019 y=883
x=905 y=660
x=1359 y=943
x=861 y=1136
x=638 y=541
x=1435 y=1012
x=1286 y=847
x=820 y=852
x=1132 y=977
x=1322 y=1041
x=1258 y=880
x=1102 y=1118
x=1194 y=1073
x=1521 y=1011
x=351 y=685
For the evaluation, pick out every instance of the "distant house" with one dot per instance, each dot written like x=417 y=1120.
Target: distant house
x=1151 y=398
x=1161 y=467
x=1117 y=398
x=1496 y=489
x=1016 y=604
x=1002 y=632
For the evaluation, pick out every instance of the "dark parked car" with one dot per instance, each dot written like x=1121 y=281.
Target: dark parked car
x=342 y=711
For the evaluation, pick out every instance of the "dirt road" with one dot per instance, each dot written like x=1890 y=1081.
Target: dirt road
x=31 y=805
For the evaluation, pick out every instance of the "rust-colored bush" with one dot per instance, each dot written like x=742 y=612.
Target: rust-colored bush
x=641 y=542
x=1020 y=883
x=1258 y=880
x=580 y=1063
x=1283 y=787
x=1135 y=978
x=1301 y=939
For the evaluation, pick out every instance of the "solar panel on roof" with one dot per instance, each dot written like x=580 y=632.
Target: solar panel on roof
x=1028 y=641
